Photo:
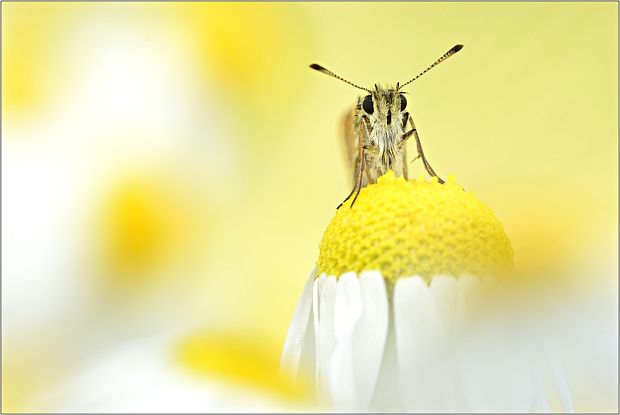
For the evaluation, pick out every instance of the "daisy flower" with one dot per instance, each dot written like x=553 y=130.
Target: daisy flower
x=409 y=309
x=194 y=372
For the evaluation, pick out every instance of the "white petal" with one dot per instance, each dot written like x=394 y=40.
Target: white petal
x=323 y=305
x=495 y=367
x=468 y=293
x=423 y=373
x=299 y=344
x=387 y=395
x=347 y=311
x=348 y=306
x=370 y=335
x=540 y=403
x=444 y=291
x=361 y=323
x=495 y=375
x=315 y=323
x=315 y=309
x=557 y=379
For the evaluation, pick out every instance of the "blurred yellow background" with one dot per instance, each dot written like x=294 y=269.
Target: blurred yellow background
x=170 y=168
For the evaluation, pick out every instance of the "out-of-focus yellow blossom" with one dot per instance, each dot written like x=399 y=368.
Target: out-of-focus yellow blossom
x=149 y=227
x=33 y=38
x=253 y=57
x=240 y=359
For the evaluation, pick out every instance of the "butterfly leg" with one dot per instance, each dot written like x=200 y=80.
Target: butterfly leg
x=427 y=165
x=358 y=182
x=360 y=165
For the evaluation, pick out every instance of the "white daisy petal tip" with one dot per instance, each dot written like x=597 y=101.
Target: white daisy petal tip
x=444 y=290
x=295 y=345
x=348 y=305
x=418 y=329
x=371 y=274
x=411 y=279
x=360 y=329
x=443 y=280
x=370 y=336
x=347 y=276
x=341 y=368
x=325 y=288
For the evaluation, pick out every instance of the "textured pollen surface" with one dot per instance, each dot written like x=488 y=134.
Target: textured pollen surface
x=415 y=227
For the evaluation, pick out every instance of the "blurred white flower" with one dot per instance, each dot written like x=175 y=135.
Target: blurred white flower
x=153 y=375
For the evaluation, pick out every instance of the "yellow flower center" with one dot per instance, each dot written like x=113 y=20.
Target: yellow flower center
x=414 y=227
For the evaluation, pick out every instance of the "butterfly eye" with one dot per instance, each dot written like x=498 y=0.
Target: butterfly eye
x=367 y=105
x=403 y=102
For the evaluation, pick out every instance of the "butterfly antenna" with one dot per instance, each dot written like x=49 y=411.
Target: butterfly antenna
x=445 y=56
x=330 y=73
